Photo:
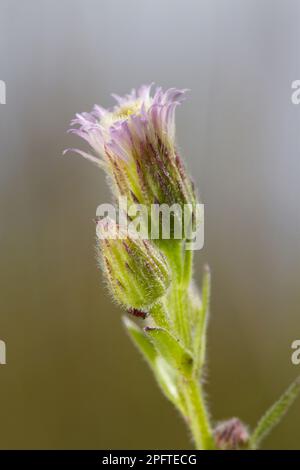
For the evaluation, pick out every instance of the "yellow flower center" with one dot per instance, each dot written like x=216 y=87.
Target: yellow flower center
x=127 y=110
x=120 y=113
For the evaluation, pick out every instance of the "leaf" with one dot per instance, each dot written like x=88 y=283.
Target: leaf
x=140 y=340
x=274 y=415
x=171 y=350
x=164 y=374
x=167 y=381
x=201 y=323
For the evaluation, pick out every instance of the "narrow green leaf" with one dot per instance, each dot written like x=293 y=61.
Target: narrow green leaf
x=167 y=380
x=140 y=340
x=274 y=415
x=171 y=350
x=201 y=323
x=163 y=373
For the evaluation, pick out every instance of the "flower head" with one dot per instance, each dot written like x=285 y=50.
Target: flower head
x=135 y=143
x=137 y=273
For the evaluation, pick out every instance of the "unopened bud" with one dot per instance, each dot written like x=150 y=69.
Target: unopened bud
x=137 y=272
x=231 y=435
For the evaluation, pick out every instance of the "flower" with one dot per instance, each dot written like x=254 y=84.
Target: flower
x=137 y=273
x=135 y=143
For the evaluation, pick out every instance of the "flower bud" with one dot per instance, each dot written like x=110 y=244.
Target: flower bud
x=137 y=273
x=135 y=143
x=231 y=435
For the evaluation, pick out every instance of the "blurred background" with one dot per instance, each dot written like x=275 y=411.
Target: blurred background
x=73 y=379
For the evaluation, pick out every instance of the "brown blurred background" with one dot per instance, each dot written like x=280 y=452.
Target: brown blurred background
x=73 y=379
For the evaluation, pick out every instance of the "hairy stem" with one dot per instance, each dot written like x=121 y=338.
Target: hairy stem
x=197 y=415
x=177 y=293
x=188 y=268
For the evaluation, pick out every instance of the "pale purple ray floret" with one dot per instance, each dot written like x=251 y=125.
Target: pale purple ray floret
x=137 y=116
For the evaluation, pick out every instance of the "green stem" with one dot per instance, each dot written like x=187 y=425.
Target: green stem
x=197 y=415
x=188 y=267
x=175 y=257
x=201 y=326
x=194 y=409
x=181 y=319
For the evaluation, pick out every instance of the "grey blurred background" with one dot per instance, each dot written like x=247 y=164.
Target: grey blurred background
x=73 y=379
